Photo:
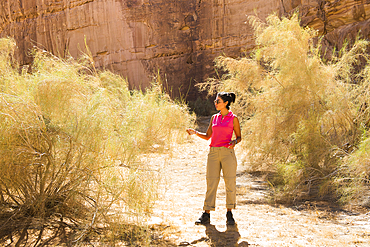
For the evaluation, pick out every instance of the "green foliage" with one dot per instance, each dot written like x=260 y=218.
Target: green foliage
x=202 y=107
x=354 y=176
x=299 y=115
x=70 y=139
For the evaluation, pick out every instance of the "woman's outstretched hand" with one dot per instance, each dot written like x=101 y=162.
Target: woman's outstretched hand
x=191 y=131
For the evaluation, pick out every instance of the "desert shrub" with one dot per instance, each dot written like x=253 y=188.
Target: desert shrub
x=70 y=139
x=300 y=116
x=354 y=178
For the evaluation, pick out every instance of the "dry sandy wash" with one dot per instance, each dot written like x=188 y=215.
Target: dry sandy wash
x=259 y=223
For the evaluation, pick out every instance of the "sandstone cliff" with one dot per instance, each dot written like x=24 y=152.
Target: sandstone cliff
x=337 y=20
x=179 y=38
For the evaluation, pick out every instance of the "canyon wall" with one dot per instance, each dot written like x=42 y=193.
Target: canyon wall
x=337 y=20
x=178 y=39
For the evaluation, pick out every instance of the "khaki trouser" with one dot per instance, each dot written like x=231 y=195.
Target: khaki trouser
x=221 y=158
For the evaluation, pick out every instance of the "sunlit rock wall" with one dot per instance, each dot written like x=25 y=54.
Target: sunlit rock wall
x=337 y=20
x=178 y=38
x=136 y=38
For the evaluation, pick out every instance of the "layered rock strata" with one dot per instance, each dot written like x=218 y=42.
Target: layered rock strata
x=338 y=21
x=136 y=38
x=178 y=38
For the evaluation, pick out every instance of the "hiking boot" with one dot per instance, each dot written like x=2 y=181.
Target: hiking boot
x=204 y=219
x=229 y=218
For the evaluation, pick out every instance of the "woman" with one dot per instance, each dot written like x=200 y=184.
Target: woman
x=221 y=156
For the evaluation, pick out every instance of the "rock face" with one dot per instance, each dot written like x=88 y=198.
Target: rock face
x=337 y=20
x=178 y=38
x=136 y=38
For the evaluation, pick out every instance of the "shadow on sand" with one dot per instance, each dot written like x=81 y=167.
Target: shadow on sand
x=230 y=237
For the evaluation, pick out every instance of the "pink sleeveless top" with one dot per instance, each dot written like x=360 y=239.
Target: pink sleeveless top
x=222 y=129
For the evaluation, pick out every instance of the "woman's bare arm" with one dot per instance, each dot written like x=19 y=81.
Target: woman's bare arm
x=205 y=136
x=237 y=132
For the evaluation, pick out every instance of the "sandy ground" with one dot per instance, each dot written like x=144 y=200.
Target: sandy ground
x=259 y=223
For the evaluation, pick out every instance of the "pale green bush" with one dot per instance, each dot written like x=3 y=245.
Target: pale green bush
x=300 y=116
x=354 y=177
x=70 y=139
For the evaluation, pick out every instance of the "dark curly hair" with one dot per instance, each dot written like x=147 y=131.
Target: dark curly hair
x=226 y=96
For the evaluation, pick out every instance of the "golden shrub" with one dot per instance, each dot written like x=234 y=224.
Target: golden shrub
x=69 y=142
x=300 y=116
